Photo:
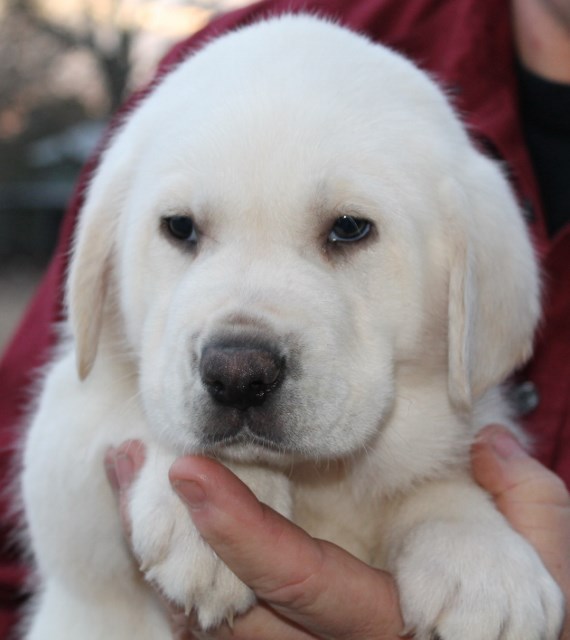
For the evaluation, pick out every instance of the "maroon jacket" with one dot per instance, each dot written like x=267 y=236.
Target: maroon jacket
x=467 y=45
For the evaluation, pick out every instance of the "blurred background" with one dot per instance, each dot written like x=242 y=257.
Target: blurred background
x=65 y=66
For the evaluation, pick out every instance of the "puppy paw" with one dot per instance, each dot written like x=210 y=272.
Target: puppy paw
x=460 y=581
x=173 y=556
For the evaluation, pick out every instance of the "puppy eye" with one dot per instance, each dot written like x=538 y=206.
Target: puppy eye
x=181 y=228
x=349 y=229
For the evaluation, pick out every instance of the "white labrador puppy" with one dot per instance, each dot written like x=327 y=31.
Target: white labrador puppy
x=292 y=259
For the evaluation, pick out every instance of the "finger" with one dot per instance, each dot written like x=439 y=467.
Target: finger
x=533 y=499
x=122 y=465
x=505 y=469
x=259 y=623
x=110 y=471
x=514 y=479
x=313 y=583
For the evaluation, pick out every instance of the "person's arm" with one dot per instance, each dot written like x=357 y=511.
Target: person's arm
x=312 y=589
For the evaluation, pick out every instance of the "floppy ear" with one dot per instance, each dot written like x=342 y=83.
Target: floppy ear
x=494 y=290
x=90 y=268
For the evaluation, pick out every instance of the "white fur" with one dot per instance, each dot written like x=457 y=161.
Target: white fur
x=398 y=342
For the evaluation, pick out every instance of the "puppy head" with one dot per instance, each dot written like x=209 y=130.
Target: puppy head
x=290 y=219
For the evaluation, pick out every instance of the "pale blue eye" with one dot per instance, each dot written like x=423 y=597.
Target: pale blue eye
x=349 y=229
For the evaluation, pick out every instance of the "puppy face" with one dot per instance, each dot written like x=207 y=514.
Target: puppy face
x=286 y=228
x=277 y=319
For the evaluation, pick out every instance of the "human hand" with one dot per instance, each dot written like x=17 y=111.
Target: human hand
x=306 y=588
x=533 y=499
x=312 y=589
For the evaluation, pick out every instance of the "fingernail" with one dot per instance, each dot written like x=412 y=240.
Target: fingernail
x=506 y=446
x=190 y=492
x=124 y=470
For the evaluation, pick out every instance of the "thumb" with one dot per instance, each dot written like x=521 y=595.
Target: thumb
x=503 y=467
x=312 y=583
x=533 y=499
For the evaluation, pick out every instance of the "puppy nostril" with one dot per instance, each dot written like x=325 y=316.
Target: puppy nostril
x=240 y=375
x=217 y=386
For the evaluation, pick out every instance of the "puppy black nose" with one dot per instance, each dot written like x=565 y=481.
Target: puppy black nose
x=240 y=375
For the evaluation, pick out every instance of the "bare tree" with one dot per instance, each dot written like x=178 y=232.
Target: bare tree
x=109 y=43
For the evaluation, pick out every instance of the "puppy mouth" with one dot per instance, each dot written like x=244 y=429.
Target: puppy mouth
x=244 y=439
x=244 y=428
